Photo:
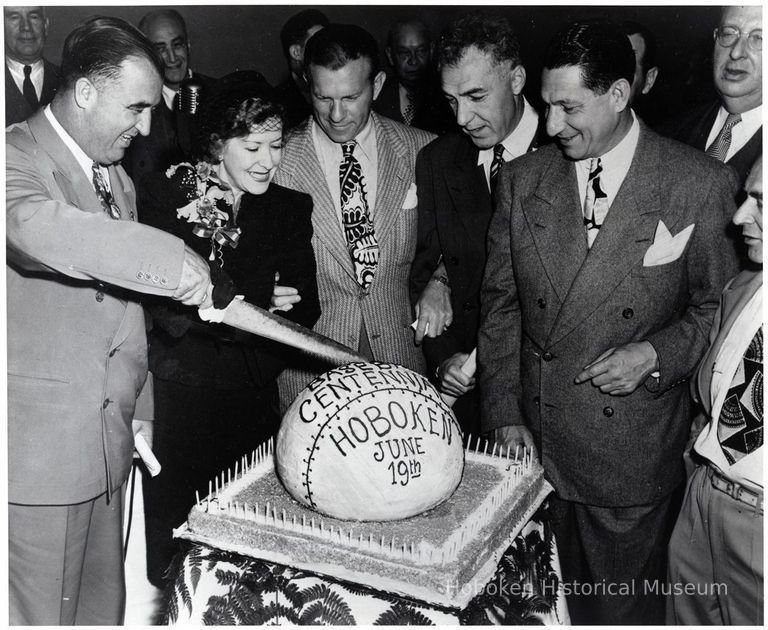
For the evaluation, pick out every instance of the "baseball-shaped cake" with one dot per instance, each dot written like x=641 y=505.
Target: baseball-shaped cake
x=370 y=442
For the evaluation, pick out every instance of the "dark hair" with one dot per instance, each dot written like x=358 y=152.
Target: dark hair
x=649 y=56
x=492 y=34
x=162 y=13
x=99 y=45
x=338 y=44
x=239 y=102
x=295 y=29
x=414 y=21
x=602 y=52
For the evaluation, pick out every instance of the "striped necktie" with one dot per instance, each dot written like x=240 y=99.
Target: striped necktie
x=358 y=227
x=719 y=148
x=595 y=202
x=496 y=164
x=105 y=195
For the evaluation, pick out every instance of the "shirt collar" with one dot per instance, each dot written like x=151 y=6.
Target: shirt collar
x=750 y=118
x=83 y=160
x=519 y=140
x=619 y=157
x=366 y=141
x=18 y=67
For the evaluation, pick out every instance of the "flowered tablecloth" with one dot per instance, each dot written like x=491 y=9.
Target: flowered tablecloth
x=211 y=586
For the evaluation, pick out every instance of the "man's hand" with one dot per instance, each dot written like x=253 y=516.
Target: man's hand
x=193 y=289
x=620 y=371
x=145 y=428
x=451 y=378
x=283 y=298
x=513 y=436
x=433 y=311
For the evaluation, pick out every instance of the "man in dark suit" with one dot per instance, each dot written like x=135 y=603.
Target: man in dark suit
x=606 y=258
x=412 y=94
x=30 y=80
x=718 y=538
x=294 y=91
x=77 y=347
x=171 y=139
x=731 y=129
x=478 y=54
x=359 y=168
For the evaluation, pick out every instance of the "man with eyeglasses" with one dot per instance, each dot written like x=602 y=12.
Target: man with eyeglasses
x=730 y=129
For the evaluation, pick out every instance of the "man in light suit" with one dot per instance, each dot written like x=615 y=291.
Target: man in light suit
x=30 y=80
x=731 y=129
x=77 y=261
x=718 y=538
x=477 y=54
x=606 y=257
x=364 y=220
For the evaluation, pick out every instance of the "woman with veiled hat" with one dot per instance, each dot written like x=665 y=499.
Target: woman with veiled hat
x=215 y=390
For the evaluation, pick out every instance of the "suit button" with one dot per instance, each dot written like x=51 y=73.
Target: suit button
x=139 y=275
x=608 y=412
x=468 y=305
x=547 y=356
x=536 y=400
x=627 y=313
x=163 y=280
x=453 y=260
x=542 y=303
x=114 y=351
x=155 y=278
x=99 y=296
x=105 y=404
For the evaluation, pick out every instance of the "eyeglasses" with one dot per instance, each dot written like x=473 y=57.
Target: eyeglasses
x=727 y=36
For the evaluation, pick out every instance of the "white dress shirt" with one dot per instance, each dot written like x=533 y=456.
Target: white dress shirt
x=515 y=144
x=330 y=155
x=749 y=469
x=17 y=72
x=741 y=132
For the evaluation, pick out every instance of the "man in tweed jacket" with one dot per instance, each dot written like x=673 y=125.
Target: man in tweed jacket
x=367 y=310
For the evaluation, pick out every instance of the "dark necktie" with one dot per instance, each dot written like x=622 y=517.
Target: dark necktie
x=496 y=164
x=719 y=148
x=740 y=424
x=29 y=90
x=595 y=202
x=105 y=196
x=358 y=227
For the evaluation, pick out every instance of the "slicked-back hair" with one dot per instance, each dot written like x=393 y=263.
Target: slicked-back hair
x=171 y=14
x=599 y=48
x=99 y=45
x=295 y=28
x=491 y=34
x=338 y=44
x=409 y=21
x=635 y=28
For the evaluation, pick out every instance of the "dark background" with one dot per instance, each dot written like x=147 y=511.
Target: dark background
x=229 y=37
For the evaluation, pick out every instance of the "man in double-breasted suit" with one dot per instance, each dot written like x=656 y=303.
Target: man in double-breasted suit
x=718 y=538
x=30 y=80
x=77 y=261
x=606 y=256
x=454 y=173
x=359 y=169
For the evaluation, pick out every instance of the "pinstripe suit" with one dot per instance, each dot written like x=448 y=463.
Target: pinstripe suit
x=384 y=308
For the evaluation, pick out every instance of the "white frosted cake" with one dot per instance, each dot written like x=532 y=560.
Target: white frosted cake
x=432 y=556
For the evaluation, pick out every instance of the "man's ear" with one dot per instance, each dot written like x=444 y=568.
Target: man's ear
x=296 y=51
x=86 y=93
x=517 y=77
x=619 y=93
x=378 y=83
x=650 y=79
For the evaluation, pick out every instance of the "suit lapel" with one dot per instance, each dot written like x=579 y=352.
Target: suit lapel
x=467 y=187
x=554 y=219
x=393 y=178
x=626 y=234
x=302 y=169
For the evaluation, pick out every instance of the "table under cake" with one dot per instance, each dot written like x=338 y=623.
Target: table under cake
x=253 y=556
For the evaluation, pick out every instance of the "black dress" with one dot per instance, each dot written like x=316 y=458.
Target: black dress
x=215 y=388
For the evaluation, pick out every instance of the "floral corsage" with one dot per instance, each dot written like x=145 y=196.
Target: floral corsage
x=210 y=205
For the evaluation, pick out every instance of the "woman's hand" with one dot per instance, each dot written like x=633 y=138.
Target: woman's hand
x=283 y=298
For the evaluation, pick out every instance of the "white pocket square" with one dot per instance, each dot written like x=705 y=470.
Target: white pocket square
x=411 y=199
x=666 y=248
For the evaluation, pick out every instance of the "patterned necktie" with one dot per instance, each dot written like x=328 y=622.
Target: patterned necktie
x=410 y=109
x=28 y=89
x=496 y=164
x=595 y=202
x=358 y=227
x=105 y=196
x=740 y=425
x=719 y=148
